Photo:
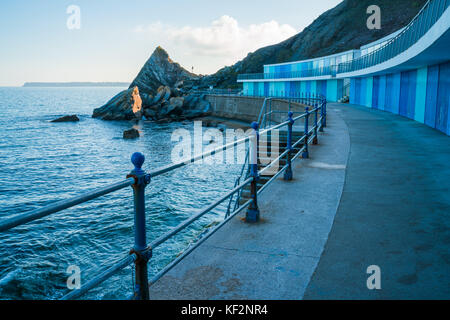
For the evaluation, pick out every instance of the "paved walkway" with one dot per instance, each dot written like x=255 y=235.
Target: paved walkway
x=376 y=191
x=394 y=212
x=273 y=259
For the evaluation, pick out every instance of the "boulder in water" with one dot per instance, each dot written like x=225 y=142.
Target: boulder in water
x=72 y=118
x=131 y=134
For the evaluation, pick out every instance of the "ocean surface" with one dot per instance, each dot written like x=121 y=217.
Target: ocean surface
x=41 y=162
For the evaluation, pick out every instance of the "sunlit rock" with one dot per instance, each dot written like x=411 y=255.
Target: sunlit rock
x=126 y=105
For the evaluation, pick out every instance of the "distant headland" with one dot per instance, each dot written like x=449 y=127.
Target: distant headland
x=76 y=84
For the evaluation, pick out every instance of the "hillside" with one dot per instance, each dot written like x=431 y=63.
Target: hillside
x=339 y=29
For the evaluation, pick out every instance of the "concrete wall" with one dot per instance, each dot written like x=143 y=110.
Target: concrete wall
x=248 y=108
x=420 y=94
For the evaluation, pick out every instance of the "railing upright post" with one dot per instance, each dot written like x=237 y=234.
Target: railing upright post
x=305 y=153
x=324 y=104
x=270 y=114
x=141 y=291
x=252 y=214
x=315 y=140
x=288 y=172
x=322 y=117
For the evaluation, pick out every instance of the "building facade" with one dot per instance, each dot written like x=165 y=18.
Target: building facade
x=407 y=72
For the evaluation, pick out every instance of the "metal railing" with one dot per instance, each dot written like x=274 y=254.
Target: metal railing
x=317 y=72
x=224 y=92
x=410 y=35
x=138 y=179
x=265 y=120
x=284 y=95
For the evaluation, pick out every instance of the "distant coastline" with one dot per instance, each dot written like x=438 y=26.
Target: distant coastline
x=76 y=84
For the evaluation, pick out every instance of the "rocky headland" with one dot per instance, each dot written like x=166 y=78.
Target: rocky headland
x=162 y=91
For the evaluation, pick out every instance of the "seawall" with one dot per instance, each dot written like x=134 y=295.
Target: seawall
x=249 y=108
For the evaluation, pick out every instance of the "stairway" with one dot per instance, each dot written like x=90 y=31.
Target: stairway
x=265 y=158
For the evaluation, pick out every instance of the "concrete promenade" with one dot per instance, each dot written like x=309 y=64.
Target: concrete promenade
x=376 y=191
x=394 y=212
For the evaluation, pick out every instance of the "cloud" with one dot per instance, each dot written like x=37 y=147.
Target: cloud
x=221 y=43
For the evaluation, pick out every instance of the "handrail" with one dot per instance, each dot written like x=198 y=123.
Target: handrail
x=62 y=205
x=195 y=217
x=307 y=73
x=101 y=277
x=222 y=92
x=302 y=98
x=139 y=179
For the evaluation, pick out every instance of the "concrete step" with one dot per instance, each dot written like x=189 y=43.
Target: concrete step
x=267 y=161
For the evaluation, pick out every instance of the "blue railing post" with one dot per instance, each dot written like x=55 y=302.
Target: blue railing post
x=324 y=104
x=288 y=172
x=141 y=291
x=316 y=118
x=252 y=214
x=322 y=117
x=305 y=153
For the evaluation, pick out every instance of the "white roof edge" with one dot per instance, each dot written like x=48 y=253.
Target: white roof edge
x=388 y=37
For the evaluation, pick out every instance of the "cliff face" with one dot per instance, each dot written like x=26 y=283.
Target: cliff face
x=339 y=29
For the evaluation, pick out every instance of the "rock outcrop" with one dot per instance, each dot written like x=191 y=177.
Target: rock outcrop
x=158 y=93
x=72 y=118
x=126 y=105
x=169 y=106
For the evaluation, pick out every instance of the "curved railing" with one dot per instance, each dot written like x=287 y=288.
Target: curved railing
x=138 y=179
x=410 y=35
x=317 y=72
x=221 y=92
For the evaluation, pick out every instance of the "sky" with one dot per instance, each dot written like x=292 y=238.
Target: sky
x=115 y=38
